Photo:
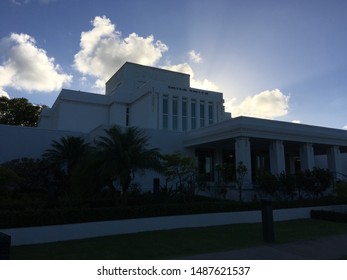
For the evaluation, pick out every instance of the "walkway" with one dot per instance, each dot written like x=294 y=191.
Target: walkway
x=328 y=248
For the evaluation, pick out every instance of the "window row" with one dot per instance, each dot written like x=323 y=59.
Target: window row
x=202 y=119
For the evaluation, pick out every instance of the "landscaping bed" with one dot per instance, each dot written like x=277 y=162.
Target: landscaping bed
x=333 y=216
x=85 y=212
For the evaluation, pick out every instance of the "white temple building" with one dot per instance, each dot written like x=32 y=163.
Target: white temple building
x=179 y=118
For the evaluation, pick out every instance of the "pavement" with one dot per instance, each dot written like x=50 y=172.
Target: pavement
x=327 y=248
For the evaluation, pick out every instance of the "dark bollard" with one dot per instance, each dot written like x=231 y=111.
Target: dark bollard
x=156 y=185
x=5 y=244
x=267 y=221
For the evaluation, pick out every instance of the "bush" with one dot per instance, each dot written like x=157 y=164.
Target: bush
x=83 y=211
x=267 y=183
x=307 y=184
x=341 y=189
x=329 y=216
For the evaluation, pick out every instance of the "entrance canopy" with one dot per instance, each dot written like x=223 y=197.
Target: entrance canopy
x=279 y=146
x=227 y=130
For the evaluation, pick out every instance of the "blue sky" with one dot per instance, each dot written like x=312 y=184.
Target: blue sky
x=283 y=60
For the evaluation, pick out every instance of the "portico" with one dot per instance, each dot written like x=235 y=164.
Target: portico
x=271 y=145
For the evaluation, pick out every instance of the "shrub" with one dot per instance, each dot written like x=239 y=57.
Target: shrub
x=87 y=212
x=329 y=216
x=267 y=183
x=341 y=189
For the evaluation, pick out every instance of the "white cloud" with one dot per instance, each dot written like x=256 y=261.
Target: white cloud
x=20 y=2
x=195 y=57
x=267 y=104
x=27 y=67
x=195 y=83
x=345 y=127
x=3 y=93
x=296 y=121
x=103 y=50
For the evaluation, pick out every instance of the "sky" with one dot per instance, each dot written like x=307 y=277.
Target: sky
x=274 y=59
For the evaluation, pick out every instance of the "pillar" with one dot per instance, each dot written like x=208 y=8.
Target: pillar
x=277 y=159
x=307 y=156
x=334 y=161
x=243 y=153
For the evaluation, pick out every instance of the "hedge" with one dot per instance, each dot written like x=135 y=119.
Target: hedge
x=329 y=216
x=10 y=218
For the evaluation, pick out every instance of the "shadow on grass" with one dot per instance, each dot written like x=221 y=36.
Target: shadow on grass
x=171 y=244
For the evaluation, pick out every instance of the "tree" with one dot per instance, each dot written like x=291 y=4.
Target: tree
x=7 y=176
x=34 y=175
x=241 y=172
x=19 y=111
x=67 y=153
x=180 y=170
x=121 y=153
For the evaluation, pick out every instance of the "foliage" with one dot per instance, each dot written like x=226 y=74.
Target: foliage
x=121 y=153
x=329 y=216
x=181 y=171
x=267 y=183
x=7 y=177
x=67 y=153
x=225 y=172
x=19 y=111
x=65 y=158
x=241 y=172
x=307 y=184
x=341 y=189
x=287 y=184
x=35 y=174
x=105 y=209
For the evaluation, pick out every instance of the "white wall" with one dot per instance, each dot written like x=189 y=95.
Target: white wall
x=117 y=114
x=82 y=116
x=17 y=142
x=141 y=113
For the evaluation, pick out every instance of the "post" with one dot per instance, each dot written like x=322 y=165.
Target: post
x=267 y=221
x=156 y=185
x=5 y=244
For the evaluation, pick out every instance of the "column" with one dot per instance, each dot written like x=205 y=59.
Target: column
x=243 y=153
x=307 y=156
x=277 y=159
x=334 y=161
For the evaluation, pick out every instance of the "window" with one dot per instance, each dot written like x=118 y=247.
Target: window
x=210 y=113
x=202 y=113
x=165 y=112
x=175 y=113
x=184 y=114
x=193 y=114
x=205 y=160
x=127 y=116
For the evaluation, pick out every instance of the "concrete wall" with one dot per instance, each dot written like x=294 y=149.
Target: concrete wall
x=18 y=142
x=45 y=234
x=117 y=114
x=82 y=117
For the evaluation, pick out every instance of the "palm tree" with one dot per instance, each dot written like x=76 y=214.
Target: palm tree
x=121 y=153
x=67 y=153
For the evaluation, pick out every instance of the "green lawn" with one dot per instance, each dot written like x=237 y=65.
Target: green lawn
x=171 y=244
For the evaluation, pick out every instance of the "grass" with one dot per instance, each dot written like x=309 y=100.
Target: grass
x=171 y=244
